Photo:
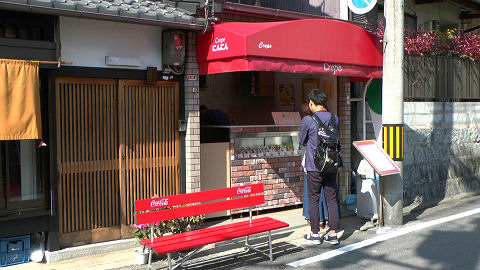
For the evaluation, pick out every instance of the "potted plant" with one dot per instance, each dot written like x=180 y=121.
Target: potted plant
x=261 y=151
x=246 y=153
x=141 y=232
x=253 y=152
x=162 y=228
x=275 y=150
x=289 y=149
x=240 y=151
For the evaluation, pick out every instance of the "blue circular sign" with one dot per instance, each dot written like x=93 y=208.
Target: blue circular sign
x=361 y=6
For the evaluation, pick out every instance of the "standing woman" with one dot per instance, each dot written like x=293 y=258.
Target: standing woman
x=323 y=210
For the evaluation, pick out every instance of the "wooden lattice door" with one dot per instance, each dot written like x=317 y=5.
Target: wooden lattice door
x=151 y=149
x=117 y=141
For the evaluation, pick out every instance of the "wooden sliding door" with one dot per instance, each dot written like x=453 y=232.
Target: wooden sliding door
x=150 y=149
x=117 y=141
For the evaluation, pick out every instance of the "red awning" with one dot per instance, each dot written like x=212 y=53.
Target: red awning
x=304 y=46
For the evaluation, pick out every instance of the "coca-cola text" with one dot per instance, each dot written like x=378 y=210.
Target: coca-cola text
x=158 y=203
x=244 y=190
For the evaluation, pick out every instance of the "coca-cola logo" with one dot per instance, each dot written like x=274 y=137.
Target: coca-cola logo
x=158 y=203
x=244 y=190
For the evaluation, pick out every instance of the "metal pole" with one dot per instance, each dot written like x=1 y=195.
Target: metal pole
x=392 y=106
x=364 y=114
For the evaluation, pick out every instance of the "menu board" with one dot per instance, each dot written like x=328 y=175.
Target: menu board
x=376 y=157
x=287 y=118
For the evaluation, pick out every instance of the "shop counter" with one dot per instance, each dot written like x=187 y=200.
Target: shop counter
x=270 y=155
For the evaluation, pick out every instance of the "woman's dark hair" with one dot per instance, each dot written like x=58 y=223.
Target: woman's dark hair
x=318 y=97
x=305 y=109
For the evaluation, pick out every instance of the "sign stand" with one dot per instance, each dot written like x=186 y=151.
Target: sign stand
x=381 y=163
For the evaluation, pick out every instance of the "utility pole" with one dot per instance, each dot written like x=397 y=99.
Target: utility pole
x=391 y=188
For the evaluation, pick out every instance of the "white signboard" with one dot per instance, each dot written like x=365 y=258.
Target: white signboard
x=376 y=157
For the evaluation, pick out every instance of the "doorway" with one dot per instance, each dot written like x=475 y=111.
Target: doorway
x=117 y=141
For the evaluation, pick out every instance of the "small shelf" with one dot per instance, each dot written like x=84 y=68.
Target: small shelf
x=266 y=145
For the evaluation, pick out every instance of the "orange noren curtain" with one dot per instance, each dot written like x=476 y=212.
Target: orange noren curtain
x=20 y=117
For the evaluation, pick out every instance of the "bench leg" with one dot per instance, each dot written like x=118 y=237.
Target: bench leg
x=150 y=258
x=169 y=255
x=270 y=244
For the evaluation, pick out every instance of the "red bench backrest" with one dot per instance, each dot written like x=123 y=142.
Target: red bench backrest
x=211 y=201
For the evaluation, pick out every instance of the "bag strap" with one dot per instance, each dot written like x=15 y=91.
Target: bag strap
x=317 y=120
x=332 y=120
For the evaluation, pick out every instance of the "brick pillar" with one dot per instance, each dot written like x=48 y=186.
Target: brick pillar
x=192 y=115
x=345 y=136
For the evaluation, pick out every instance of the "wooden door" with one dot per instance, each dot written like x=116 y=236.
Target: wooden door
x=150 y=146
x=117 y=141
x=87 y=152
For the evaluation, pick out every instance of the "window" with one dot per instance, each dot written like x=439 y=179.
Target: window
x=26 y=26
x=24 y=168
x=21 y=180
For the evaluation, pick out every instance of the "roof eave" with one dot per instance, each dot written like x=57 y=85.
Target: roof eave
x=98 y=16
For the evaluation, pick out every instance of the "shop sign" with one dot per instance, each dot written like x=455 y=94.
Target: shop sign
x=265 y=46
x=220 y=44
x=361 y=6
x=333 y=68
x=376 y=156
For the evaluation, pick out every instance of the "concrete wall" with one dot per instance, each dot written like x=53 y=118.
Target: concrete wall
x=442 y=150
x=86 y=42
x=445 y=13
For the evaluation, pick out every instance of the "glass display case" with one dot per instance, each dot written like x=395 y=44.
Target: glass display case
x=266 y=144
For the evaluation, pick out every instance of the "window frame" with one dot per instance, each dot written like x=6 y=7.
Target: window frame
x=6 y=204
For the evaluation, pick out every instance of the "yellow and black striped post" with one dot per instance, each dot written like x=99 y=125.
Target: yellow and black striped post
x=392 y=135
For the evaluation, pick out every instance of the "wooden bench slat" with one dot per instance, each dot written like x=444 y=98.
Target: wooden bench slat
x=191 y=235
x=195 y=197
x=199 y=209
x=227 y=233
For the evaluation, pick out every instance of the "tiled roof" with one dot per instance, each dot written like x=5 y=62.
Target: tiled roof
x=139 y=9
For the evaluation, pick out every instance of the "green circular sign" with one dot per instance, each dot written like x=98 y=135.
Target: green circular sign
x=374 y=96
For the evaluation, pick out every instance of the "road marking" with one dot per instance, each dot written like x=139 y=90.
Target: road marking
x=381 y=238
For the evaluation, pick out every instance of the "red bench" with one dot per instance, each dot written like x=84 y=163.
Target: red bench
x=205 y=202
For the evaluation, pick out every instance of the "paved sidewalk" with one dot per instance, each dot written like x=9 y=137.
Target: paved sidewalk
x=124 y=259
x=291 y=237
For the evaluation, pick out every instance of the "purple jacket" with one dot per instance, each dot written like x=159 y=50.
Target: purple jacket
x=308 y=136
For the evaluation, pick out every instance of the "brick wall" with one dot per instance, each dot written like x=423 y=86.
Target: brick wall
x=192 y=115
x=344 y=114
x=282 y=176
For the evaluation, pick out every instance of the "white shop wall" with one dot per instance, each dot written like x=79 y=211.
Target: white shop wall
x=86 y=42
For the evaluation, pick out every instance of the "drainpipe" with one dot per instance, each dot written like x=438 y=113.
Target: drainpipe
x=364 y=113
